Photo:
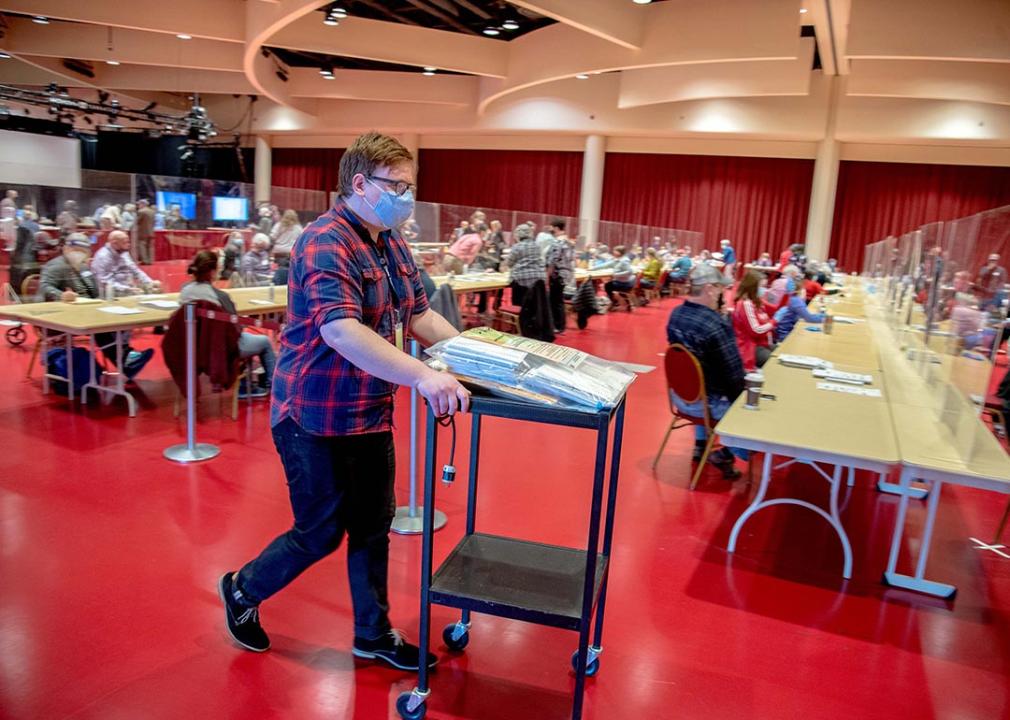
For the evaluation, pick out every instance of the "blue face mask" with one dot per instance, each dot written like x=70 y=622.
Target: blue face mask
x=392 y=210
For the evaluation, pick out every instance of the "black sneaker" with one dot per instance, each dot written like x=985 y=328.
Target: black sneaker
x=726 y=462
x=134 y=366
x=243 y=622
x=393 y=649
x=699 y=448
x=257 y=391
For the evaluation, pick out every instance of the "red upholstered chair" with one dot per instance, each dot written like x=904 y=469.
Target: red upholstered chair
x=684 y=377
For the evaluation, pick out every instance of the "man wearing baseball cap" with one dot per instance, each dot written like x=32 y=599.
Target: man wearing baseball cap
x=698 y=325
x=67 y=277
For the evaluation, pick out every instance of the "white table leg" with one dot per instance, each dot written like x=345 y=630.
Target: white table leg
x=891 y=489
x=832 y=517
x=119 y=388
x=852 y=476
x=766 y=476
x=69 y=344
x=917 y=582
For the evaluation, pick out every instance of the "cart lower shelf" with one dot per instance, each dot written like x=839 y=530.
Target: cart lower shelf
x=516 y=579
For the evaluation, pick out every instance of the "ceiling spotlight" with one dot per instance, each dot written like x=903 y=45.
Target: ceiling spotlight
x=337 y=11
x=324 y=71
x=429 y=72
x=329 y=77
x=510 y=24
x=492 y=31
x=642 y=2
x=581 y=76
x=803 y=11
x=40 y=20
x=5 y=55
x=111 y=62
x=331 y=20
x=184 y=36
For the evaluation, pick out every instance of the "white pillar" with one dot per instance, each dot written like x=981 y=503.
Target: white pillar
x=593 y=160
x=263 y=169
x=822 y=191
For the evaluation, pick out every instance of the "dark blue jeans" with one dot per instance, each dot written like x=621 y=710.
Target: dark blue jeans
x=337 y=485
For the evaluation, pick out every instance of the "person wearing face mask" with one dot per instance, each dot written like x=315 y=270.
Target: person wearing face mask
x=68 y=277
x=115 y=268
x=793 y=310
x=751 y=323
x=354 y=297
x=697 y=325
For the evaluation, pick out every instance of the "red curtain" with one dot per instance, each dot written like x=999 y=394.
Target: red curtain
x=533 y=180
x=875 y=200
x=758 y=203
x=310 y=168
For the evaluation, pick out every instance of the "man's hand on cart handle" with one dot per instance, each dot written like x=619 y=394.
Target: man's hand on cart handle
x=443 y=392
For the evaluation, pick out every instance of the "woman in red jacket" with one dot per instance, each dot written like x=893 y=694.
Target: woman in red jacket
x=752 y=325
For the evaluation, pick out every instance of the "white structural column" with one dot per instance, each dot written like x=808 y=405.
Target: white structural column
x=263 y=169
x=593 y=160
x=822 y=191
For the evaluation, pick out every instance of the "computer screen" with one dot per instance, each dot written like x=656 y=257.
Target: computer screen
x=231 y=208
x=185 y=201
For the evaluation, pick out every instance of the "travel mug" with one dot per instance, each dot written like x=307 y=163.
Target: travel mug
x=753 y=383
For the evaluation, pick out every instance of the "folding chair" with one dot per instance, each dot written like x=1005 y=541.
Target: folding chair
x=684 y=378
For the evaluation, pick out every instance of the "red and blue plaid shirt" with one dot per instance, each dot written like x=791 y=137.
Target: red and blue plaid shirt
x=337 y=272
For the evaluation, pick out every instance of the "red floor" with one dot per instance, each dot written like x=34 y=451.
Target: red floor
x=109 y=556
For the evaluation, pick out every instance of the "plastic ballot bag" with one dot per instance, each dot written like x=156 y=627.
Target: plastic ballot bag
x=571 y=377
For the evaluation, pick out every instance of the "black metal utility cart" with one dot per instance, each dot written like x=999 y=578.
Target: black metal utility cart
x=511 y=578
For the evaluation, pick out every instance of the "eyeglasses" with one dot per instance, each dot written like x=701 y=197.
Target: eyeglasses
x=399 y=186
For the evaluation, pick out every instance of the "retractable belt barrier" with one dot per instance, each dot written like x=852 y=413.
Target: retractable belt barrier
x=192 y=451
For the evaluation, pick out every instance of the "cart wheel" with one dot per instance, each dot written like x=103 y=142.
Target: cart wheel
x=402 y=704
x=591 y=668
x=16 y=335
x=453 y=643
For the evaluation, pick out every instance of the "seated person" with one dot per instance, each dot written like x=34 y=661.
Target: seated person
x=653 y=268
x=968 y=322
x=776 y=295
x=624 y=277
x=66 y=278
x=601 y=257
x=792 y=311
x=680 y=268
x=233 y=251
x=765 y=260
x=701 y=328
x=117 y=272
x=202 y=269
x=751 y=323
x=256 y=263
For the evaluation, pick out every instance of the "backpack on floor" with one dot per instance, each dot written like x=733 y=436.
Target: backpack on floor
x=56 y=364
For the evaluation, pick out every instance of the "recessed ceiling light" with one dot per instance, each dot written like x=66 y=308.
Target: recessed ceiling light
x=184 y=36
x=429 y=72
x=329 y=77
x=111 y=62
x=510 y=24
x=803 y=11
x=338 y=12
x=4 y=55
x=325 y=71
x=642 y=2
x=40 y=20
x=491 y=30
x=331 y=20
x=581 y=76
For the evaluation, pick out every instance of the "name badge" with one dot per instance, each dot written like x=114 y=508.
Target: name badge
x=399 y=336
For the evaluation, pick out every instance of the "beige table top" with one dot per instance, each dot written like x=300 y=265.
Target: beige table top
x=853 y=351
x=472 y=282
x=968 y=455
x=806 y=421
x=87 y=317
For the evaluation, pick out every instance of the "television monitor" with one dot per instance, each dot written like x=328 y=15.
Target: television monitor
x=230 y=208
x=186 y=202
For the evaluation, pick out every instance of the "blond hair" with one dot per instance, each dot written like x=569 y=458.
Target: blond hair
x=368 y=152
